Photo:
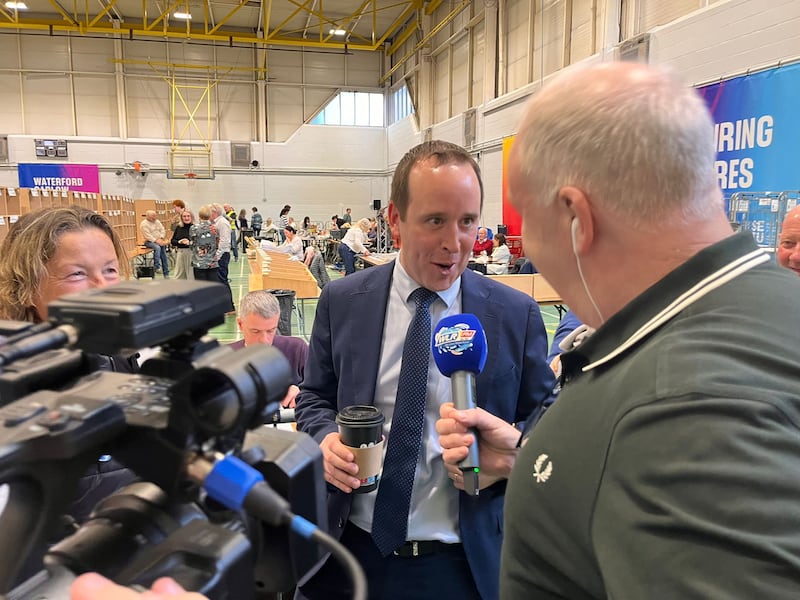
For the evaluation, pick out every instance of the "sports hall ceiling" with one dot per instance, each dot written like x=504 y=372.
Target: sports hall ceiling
x=367 y=24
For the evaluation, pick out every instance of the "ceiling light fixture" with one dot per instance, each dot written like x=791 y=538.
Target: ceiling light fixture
x=16 y=5
x=186 y=16
x=337 y=32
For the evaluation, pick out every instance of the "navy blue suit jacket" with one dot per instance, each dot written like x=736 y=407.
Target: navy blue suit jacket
x=343 y=365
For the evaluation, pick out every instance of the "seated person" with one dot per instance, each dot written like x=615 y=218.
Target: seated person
x=570 y=334
x=501 y=255
x=528 y=268
x=258 y=316
x=293 y=246
x=270 y=230
x=316 y=264
x=154 y=236
x=483 y=245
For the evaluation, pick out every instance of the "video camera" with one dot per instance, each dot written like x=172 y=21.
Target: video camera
x=192 y=407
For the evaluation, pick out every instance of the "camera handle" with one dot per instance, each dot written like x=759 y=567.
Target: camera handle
x=48 y=439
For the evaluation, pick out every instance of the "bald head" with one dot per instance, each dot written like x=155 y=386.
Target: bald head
x=789 y=241
x=635 y=139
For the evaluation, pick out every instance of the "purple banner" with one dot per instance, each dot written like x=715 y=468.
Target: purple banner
x=65 y=177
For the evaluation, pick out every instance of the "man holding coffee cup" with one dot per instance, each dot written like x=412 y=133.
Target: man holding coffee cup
x=449 y=544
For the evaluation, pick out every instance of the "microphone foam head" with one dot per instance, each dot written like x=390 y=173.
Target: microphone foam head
x=459 y=344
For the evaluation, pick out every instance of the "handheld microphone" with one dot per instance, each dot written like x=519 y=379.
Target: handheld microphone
x=459 y=350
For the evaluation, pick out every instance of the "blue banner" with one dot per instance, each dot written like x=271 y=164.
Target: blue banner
x=66 y=177
x=757 y=130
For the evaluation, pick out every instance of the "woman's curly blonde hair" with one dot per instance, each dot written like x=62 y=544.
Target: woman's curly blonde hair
x=31 y=243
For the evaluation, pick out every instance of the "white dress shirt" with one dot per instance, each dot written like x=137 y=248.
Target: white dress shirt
x=433 y=514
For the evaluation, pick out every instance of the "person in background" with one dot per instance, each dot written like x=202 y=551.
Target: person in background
x=271 y=230
x=661 y=471
x=501 y=256
x=448 y=546
x=259 y=314
x=154 y=235
x=293 y=245
x=230 y=213
x=256 y=220
x=483 y=246
x=283 y=221
x=182 y=241
x=569 y=334
x=337 y=223
x=243 y=227
x=178 y=206
x=305 y=230
x=347 y=217
x=789 y=241
x=223 y=255
x=315 y=262
x=352 y=244
x=205 y=239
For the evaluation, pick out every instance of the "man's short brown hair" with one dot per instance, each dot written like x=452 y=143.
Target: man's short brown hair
x=439 y=151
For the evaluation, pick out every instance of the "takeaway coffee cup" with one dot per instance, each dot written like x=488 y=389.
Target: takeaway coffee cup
x=361 y=429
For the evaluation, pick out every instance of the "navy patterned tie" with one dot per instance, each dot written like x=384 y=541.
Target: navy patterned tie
x=390 y=519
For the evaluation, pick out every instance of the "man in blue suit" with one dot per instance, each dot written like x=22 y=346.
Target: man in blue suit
x=453 y=540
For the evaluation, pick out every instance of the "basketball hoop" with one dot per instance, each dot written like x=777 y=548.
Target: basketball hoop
x=137 y=166
x=190 y=178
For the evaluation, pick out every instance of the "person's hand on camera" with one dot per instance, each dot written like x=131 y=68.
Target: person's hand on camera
x=289 y=400
x=340 y=466
x=92 y=586
x=498 y=443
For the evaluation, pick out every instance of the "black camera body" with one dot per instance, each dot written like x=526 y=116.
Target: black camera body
x=194 y=398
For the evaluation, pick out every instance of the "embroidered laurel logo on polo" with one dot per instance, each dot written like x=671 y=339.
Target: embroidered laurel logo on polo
x=542 y=468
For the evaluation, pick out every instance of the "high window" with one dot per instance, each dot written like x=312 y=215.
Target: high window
x=352 y=108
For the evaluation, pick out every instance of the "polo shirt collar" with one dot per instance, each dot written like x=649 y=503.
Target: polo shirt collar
x=705 y=271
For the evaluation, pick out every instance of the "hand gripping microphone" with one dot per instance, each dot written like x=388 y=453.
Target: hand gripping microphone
x=459 y=350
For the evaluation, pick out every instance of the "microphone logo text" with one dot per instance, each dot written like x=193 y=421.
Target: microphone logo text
x=455 y=340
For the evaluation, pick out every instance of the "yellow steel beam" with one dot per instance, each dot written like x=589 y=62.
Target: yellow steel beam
x=398 y=42
x=267 y=17
x=289 y=18
x=8 y=15
x=103 y=13
x=163 y=16
x=225 y=19
x=354 y=17
x=452 y=15
x=180 y=33
x=170 y=65
x=399 y=21
x=63 y=13
x=432 y=6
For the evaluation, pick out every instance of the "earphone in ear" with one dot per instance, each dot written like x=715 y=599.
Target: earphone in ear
x=575 y=235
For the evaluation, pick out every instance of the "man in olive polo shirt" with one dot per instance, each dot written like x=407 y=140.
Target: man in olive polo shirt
x=668 y=467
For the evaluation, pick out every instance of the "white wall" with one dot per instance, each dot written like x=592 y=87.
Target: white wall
x=728 y=38
x=319 y=171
